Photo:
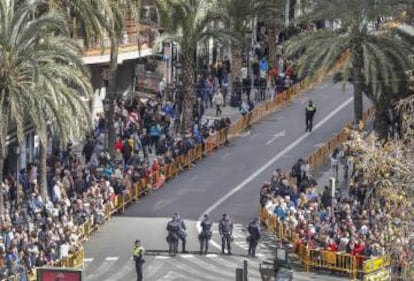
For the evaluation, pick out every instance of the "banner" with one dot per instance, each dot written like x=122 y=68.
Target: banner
x=58 y=274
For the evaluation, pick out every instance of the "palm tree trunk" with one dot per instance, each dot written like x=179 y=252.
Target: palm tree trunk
x=188 y=90
x=111 y=96
x=358 y=79
x=271 y=43
x=4 y=127
x=236 y=56
x=381 y=122
x=43 y=171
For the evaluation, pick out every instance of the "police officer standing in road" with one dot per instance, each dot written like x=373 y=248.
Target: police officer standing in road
x=254 y=236
x=172 y=238
x=138 y=256
x=226 y=233
x=310 y=113
x=181 y=231
x=205 y=234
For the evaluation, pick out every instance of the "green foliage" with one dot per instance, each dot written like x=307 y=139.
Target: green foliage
x=41 y=72
x=190 y=22
x=381 y=56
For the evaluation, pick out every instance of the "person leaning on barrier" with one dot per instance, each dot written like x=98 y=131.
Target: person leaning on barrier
x=226 y=233
x=254 y=235
x=138 y=256
x=205 y=234
x=226 y=123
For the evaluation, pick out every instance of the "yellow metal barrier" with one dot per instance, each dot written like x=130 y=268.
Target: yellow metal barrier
x=319 y=258
x=333 y=261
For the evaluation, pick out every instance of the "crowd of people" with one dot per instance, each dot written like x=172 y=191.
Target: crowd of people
x=39 y=231
x=345 y=223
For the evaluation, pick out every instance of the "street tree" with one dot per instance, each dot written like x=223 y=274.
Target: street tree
x=35 y=53
x=239 y=17
x=95 y=20
x=376 y=59
x=189 y=23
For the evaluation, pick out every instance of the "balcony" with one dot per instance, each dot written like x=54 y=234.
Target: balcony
x=132 y=46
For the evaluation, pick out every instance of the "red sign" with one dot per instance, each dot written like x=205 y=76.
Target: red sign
x=45 y=274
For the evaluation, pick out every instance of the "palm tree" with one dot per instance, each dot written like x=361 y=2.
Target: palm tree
x=189 y=23
x=238 y=15
x=377 y=58
x=36 y=57
x=57 y=101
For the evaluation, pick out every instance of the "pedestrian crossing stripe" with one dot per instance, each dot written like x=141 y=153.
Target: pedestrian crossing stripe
x=210 y=267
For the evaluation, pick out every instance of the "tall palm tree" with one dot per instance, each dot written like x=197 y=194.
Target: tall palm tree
x=377 y=58
x=238 y=15
x=57 y=102
x=98 y=19
x=36 y=56
x=189 y=23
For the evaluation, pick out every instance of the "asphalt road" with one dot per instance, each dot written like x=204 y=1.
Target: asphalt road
x=225 y=182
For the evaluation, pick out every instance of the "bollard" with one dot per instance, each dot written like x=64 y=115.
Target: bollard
x=245 y=270
x=239 y=274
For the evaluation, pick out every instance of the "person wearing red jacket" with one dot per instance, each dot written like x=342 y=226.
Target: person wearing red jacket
x=118 y=144
x=332 y=246
x=358 y=252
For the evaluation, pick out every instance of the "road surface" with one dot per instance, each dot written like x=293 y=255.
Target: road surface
x=225 y=182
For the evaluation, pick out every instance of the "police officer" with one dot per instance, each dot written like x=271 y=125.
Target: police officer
x=138 y=256
x=205 y=234
x=172 y=238
x=226 y=233
x=310 y=113
x=181 y=231
x=254 y=235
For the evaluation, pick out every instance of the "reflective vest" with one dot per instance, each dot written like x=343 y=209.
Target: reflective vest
x=139 y=251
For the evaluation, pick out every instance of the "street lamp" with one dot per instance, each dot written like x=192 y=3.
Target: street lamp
x=106 y=106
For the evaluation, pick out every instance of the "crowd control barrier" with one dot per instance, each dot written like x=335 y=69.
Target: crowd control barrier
x=119 y=202
x=377 y=268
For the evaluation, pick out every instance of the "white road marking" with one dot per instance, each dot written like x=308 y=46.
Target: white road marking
x=121 y=273
x=276 y=136
x=162 y=257
x=211 y=256
x=112 y=258
x=187 y=256
x=101 y=270
x=269 y=163
x=88 y=259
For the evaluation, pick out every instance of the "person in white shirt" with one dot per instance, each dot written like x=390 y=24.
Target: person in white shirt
x=218 y=100
x=161 y=88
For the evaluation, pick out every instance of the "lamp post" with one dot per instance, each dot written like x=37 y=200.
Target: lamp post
x=106 y=107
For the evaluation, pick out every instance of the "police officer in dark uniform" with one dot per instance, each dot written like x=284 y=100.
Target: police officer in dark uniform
x=310 y=113
x=254 y=235
x=172 y=238
x=205 y=234
x=181 y=231
x=138 y=256
x=226 y=233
